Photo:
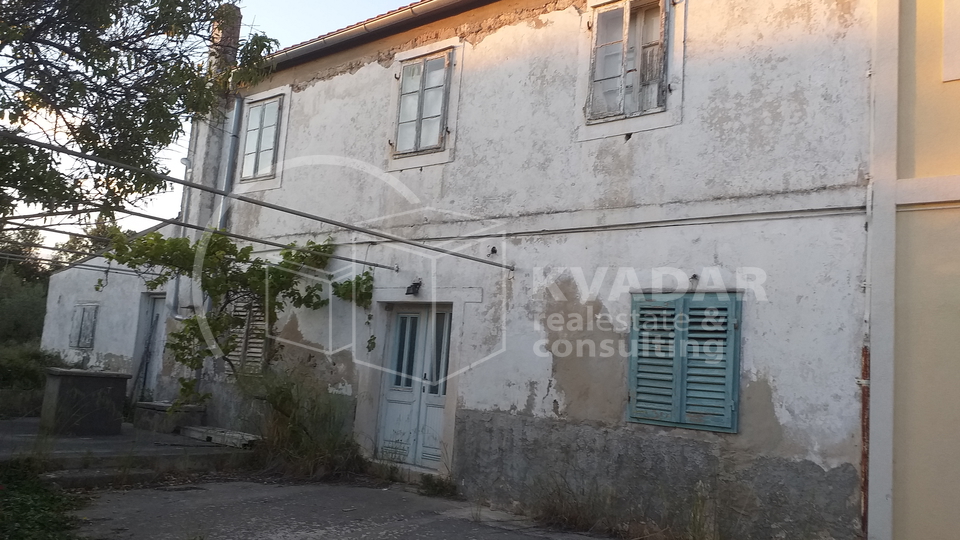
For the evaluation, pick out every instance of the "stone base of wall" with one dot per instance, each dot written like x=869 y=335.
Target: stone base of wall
x=651 y=474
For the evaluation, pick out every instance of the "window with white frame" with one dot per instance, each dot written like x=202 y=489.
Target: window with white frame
x=629 y=64
x=260 y=140
x=422 y=107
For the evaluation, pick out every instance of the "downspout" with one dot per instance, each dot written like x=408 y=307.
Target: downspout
x=226 y=184
x=185 y=217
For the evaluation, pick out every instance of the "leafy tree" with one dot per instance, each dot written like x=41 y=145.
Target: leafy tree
x=23 y=304
x=115 y=78
x=21 y=259
x=95 y=238
x=230 y=276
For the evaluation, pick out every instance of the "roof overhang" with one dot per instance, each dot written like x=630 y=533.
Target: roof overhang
x=398 y=20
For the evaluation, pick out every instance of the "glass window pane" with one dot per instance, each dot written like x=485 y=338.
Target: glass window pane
x=438 y=369
x=407 y=137
x=398 y=361
x=430 y=132
x=408 y=107
x=608 y=62
x=436 y=72
x=253 y=122
x=268 y=137
x=651 y=26
x=251 y=142
x=606 y=96
x=270 y=111
x=411 y=78
x=433 y=102
x=610 y=26
x=249 y=161
x=411 y=350
x=265 y=162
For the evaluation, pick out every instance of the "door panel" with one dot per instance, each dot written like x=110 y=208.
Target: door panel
x=414 y=389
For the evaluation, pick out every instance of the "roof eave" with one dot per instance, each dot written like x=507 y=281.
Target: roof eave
x=392 y=22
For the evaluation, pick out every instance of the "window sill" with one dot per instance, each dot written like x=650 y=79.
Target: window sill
x=256 y=184
x=420 y=159
x=696 y=427
x=611 y=127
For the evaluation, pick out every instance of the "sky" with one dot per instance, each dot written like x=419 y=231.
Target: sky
x=288 y=21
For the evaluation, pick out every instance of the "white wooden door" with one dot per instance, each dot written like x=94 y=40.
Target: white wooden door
x=414 y=388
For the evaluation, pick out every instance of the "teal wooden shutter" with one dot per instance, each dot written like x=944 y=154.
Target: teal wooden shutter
x=655 y=377
x=710 y=361
x=685 y=362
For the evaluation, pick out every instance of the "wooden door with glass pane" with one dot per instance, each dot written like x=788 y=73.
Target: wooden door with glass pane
x=415 y=388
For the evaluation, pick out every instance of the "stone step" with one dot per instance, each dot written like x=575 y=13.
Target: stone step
x=99 y=478
x=194 y=460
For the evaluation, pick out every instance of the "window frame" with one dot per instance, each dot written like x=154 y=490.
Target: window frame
x=447 y=55
x=248 y=110
x=435 y=156
x=628 y=38
x=670 y=113
x=680 y=302
x=272 y=180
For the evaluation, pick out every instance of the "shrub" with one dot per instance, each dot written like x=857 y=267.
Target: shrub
x=307 y=431
x=23 y=366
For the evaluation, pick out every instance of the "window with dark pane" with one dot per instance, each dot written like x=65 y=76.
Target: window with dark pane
x=406 y=347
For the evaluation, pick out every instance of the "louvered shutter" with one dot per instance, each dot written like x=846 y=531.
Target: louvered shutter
x=248 y=355
x=710 y=360
x=655 y=377
x=685 y=362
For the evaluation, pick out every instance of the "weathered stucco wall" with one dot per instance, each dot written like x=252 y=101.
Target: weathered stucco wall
x=766 y=170
x=119 y=334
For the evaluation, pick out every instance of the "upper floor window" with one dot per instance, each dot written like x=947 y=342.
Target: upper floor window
x=260 y=140
x=422 y=107
x=629 y=67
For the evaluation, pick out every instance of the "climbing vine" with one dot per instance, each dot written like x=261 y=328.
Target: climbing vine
x=231 y=277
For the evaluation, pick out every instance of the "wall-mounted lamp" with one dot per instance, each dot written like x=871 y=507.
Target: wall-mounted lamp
x=414 y=288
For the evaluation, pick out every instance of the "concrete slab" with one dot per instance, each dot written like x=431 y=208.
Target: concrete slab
x=255 y=511
x=20 y=438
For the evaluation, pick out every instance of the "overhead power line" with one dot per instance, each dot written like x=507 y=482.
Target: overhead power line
x=171 y=221
x=216 y=191
x=83 y=266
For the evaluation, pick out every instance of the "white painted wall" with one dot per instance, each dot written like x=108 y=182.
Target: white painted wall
x=766 y=169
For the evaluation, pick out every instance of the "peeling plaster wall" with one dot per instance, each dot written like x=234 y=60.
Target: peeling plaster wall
x=766 y=169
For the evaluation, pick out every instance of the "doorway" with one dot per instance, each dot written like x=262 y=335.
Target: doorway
x=415 y=387
x=151 y=360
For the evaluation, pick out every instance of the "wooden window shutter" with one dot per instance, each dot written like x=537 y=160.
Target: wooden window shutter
x=711 y=370
x=248 y=356
x=655 y=378
x=685 y=366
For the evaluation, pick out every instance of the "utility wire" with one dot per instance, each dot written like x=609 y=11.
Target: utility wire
x=216 y=191
x=171 y=221
x=82 y=266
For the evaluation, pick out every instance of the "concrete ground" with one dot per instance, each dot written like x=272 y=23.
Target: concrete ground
x=255 y=511
x=19 y=438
